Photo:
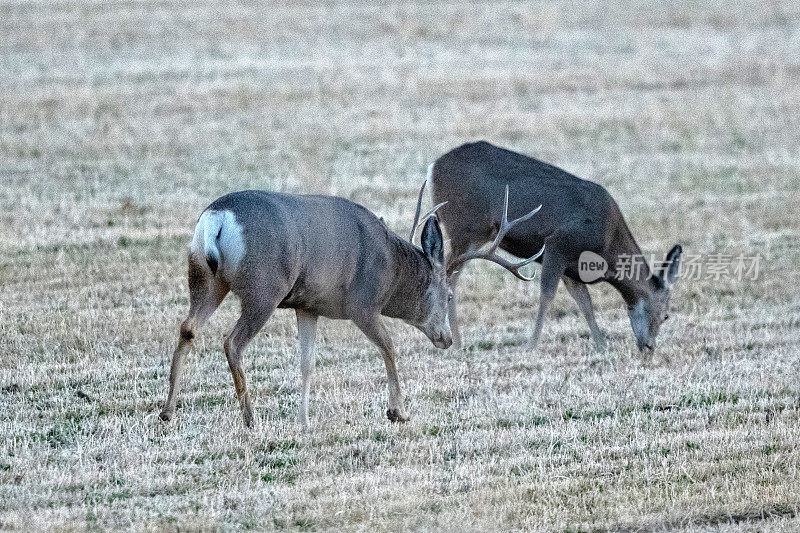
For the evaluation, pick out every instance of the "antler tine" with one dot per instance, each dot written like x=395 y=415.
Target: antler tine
x=425 y=217
x=514 y=267
x=416 y=213
x=505 y=225
x=494 y=258
x=417 y=218
x=490 y=255
x=433 y=211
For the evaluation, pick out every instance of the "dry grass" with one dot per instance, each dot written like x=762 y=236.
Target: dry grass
x=120 y=121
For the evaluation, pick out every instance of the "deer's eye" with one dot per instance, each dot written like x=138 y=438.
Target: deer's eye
x=449 y=297
x=666 y=317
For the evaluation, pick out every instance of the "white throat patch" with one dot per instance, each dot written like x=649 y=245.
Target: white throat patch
x=639 y=320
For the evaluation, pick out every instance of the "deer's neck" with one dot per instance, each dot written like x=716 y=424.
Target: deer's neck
x=633 y=277
x=412 y=277
x=632 y=288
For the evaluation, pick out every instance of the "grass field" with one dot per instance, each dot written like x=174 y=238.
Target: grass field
x=121 y=121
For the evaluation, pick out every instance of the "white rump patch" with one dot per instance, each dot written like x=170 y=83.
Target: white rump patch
x=219 y=235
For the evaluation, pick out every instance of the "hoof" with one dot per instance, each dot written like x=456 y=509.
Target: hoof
x=395 y=415
x=166 y=416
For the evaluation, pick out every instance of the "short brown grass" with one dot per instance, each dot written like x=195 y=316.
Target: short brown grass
x=120 y=121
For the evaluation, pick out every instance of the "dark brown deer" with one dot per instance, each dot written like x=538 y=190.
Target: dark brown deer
x=322 y=256
x=577 y=216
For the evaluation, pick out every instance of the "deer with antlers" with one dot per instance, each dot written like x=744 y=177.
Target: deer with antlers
x=578 y=216
x=321 y=256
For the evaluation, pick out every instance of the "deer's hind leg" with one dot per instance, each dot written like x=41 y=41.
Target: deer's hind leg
x=458 y=246
x=256 y=310
x=452 y=312
x=206 y=292
x=552 y=268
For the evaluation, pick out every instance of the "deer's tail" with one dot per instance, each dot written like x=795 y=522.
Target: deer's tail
x=218 y=239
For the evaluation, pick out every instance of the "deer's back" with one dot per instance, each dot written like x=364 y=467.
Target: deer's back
x=329 y=253
x=472 y=179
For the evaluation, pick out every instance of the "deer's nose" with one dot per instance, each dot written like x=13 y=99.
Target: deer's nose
x=443 y=341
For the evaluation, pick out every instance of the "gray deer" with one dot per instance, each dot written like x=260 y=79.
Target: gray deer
x=322 y=256
x=578 y=216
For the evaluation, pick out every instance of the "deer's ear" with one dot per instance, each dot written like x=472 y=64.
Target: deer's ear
x=672 y=265
x=432 y=242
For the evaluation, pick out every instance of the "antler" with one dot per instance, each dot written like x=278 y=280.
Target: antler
x=416 y=213
x=490 y=254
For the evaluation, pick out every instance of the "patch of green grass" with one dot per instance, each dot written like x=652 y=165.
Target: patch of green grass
x=705 y=399
x=769 y=449
x=431 y=430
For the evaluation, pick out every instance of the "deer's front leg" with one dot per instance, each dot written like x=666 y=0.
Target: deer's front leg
x=580 y=294
x=453 y=312
x=397 y=411
x=376 y=332
x=306 y=332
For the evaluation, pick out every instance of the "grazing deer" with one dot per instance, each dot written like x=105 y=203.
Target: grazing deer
x=578 y=216
x=322 y=256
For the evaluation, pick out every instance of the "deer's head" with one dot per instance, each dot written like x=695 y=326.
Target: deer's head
x=434 y=320
x=648 y=313
x=440 y=291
